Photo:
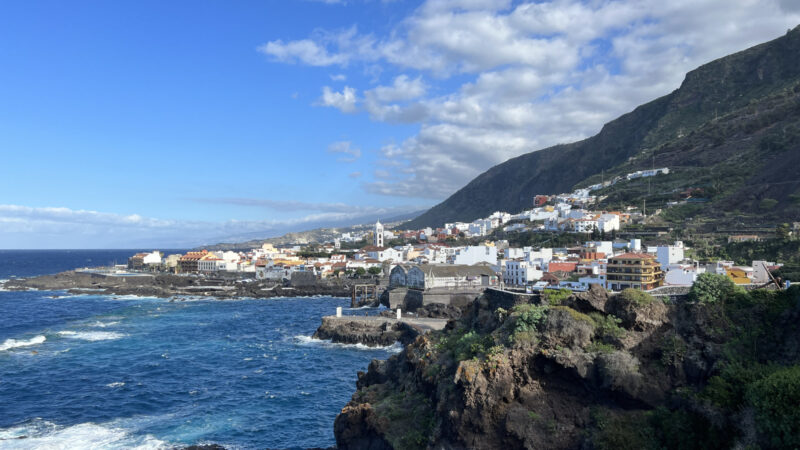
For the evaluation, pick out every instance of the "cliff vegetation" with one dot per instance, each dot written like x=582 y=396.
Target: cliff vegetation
x=720 y=369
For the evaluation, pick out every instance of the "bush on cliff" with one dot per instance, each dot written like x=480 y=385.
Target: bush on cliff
x=776 y=399
x=555 y=297
x=607 y=326
x=527 y=321
x=463 y=345
x=636 y=297
x=710 y=287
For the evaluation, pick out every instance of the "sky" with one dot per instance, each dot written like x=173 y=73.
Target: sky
x=133 y=124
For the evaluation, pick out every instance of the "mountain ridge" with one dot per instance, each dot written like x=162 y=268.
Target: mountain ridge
x=712 y=90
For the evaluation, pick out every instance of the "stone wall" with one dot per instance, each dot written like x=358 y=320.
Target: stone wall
x=506 y=299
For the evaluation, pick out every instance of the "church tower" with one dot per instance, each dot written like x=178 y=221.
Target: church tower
x=378 y=238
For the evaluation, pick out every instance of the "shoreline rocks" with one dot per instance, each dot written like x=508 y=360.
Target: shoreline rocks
x=369 y=331
x=168 y=285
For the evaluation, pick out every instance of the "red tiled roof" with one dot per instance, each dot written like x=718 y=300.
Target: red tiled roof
x=632 y=255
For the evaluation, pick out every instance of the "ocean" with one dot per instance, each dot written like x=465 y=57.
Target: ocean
x=94 y=371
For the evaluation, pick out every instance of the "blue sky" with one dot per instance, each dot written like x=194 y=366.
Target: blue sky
x=127 y=124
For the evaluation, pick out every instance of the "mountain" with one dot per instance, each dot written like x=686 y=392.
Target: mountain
x=732 y=130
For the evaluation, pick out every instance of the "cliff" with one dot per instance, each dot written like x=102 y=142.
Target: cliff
x=590 y=371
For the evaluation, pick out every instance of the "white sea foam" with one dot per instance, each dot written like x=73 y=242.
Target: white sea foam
x=104 y=324
x=116 y=384
x=46 y=435
x=14 y=343
x=397 y=347
x=91 y=335
x=133 y=297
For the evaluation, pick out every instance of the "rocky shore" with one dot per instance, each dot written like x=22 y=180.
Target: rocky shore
x=168 y=285
x=385 y=329
x=590 y=371
x=370 y=331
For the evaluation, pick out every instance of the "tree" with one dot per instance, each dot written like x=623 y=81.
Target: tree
x=374 y=270
x=360 y=271
x=782 y=231
x=710 y=287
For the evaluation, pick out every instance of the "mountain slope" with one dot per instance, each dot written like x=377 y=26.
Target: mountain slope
x=734 y=85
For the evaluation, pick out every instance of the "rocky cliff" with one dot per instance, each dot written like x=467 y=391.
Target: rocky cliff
x=590 y=371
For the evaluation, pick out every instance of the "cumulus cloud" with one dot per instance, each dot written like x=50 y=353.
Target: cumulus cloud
x=527 y=74
x=346 y=150
x=344 y=101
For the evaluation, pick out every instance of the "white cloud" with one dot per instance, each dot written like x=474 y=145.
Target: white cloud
x=338 y=77
x=344 y=101
x=304 y=51
x=34 y=227
x=346 y=149
x=529 y=74
x=391 y=103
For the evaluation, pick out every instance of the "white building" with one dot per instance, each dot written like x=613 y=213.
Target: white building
x=608 y=222
x=682 y=274
x=761 y=272
x=476 y=254
x=153 y=258
x=521 y=273
x=541 y=256
x=430 y=276
x=669 y=254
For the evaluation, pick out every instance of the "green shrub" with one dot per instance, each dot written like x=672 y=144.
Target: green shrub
x=577 y=315
x=621 y=433
x=527 y=319
x=555 y=297
x=637 y=297
x=599 y=347
x=776 y=399
x=767 y=204
x=607 y=327
x=470 y=345
x=673 y=349
x=728 y=388
x=710 y=287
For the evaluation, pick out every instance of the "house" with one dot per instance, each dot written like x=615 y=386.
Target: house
x=190 y=261
x=136 y=262
x=738 y=275
x=562 y=266
x=521 y=273
x=210 y=263
x=430 y=276
x=682 y=274
x=399 y=276
x=669 y=254
x=171 y=261
x=476 y=254
x=633 y=270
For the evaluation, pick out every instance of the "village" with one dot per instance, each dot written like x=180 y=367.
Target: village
x=433 y=259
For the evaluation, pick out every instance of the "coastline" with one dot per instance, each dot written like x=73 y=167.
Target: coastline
x=167 y=285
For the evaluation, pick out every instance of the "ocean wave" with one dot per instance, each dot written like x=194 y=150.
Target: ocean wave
x=116 y=384
x=132 y=297
x=14 y=343
x=397 y=347
x=91 y=335
x=43 y=434
x=104 y=324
